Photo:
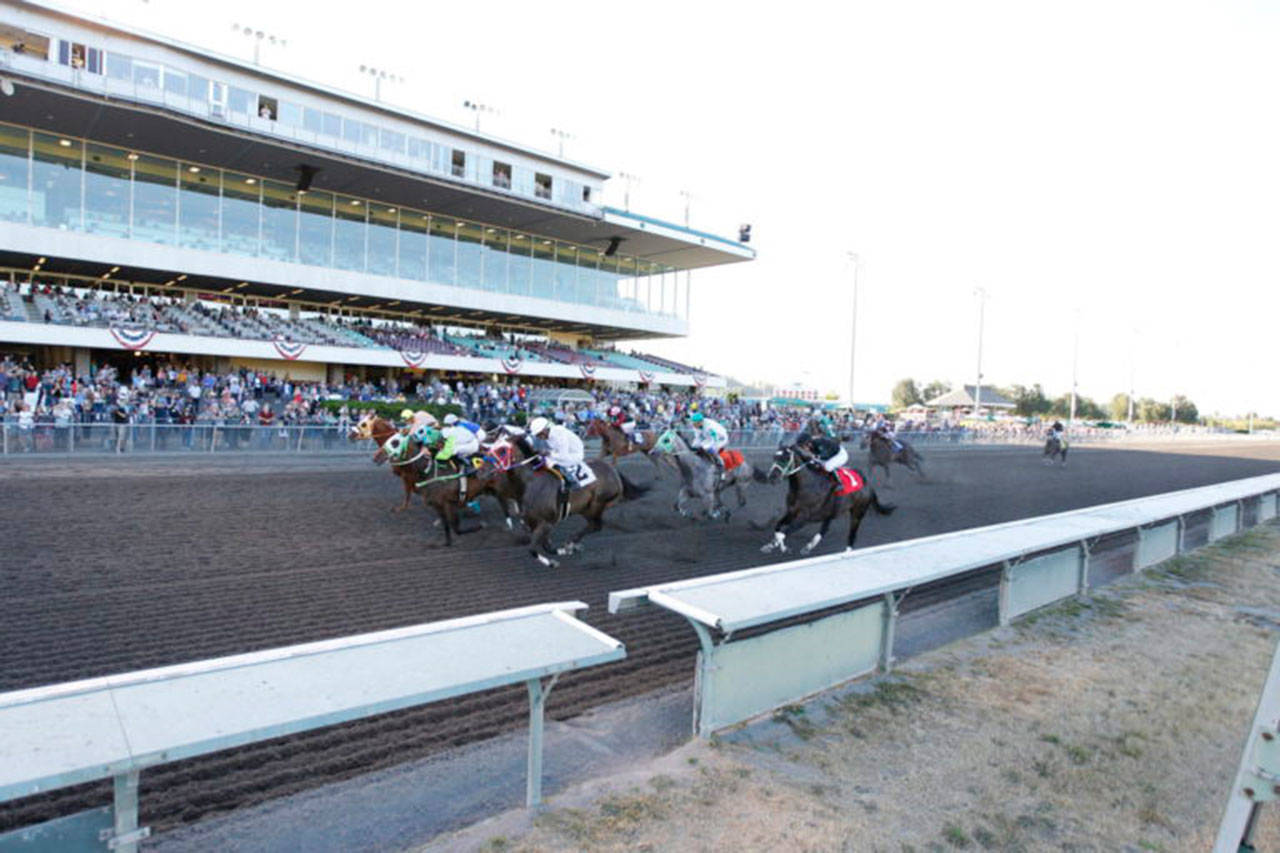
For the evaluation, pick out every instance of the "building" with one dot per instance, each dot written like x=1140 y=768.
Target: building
x=254 y=219
x=964 y=398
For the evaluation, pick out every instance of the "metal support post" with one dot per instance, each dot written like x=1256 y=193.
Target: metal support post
x=153 y=436
x=890 y=617
x=1137 y=551
x=702 y=680
x=301 y=430
x=71 y=438
x=126 y=833
x=1006 y=578
x=1182 y=531
x=1082 y=581
x=1239 y=515
x=537 y=706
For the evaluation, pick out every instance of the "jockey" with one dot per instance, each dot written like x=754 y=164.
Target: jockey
x=709 y=438
x=828 y=454
x=455 y=444
x=1056 y=431
x=884 y=429
x=565 y=452
x=622 y=419
x=453 y=420
x=419 y=418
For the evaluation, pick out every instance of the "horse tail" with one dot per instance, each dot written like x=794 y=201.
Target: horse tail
x=758 y=475
x=883 y=509
x=630 y=490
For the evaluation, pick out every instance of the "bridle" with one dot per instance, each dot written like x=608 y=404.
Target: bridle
x=791 y=466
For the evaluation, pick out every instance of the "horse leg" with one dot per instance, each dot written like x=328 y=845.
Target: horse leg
x=779 y=541
x=594 y=525
x=741 y=487
x=444 y=522
x=817 y=537
x=856 y=511
x=408 y=495
x=540 y=541
x=681 y=496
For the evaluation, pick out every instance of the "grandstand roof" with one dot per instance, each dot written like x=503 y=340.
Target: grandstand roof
x=962 y=397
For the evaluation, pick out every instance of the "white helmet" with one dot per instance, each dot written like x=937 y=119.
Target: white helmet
x=450 y=419
x=537 y=425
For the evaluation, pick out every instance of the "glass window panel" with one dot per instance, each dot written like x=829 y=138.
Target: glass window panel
x=566 y=269
x=55 y=182
x=413 y=246
x=588 y=270
x=119 y=66
x=198 y=204
x=197 y=88
x=106 y=190
x=331 y=125
x=495 y=259
x=175 y=82
x=155 y=199
x=349 y=233
x=315 y=228
x=369 y=135
x=241 y=208
x=392 y=141
x=419 y=149
x=290 y=114
x=382 y=239
x=470 y=240
x=279 y=221
x=520 y=264
x=442 y=250
x=146 y=76
x=607 y=282
x=350 y=130
x=544 y=269
x=542 y=185
x=312 y=120
x=241 y=101
x=14 y=168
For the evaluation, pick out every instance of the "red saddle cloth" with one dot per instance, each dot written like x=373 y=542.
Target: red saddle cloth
x=850 y=481
x=731 y=459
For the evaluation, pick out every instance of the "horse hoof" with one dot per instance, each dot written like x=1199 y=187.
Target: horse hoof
x=767 y=549
x=548 y=562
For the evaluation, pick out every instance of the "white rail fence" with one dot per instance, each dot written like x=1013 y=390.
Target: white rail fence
x=754 y=657
x=117 y=726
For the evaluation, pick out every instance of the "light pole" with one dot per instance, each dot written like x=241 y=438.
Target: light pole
x=1075 y=371
x=562 y=135
x=479 y=108
x=1133 y=368
x=853 y=337
x=982 y=308
x=258 y=37
x=378 y=75
x=687 y=196
x=626 y=194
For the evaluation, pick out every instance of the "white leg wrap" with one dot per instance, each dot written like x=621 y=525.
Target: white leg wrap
x=813 y=543
x=546 y=561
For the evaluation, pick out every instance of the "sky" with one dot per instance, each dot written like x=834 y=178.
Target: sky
x=1108 y=173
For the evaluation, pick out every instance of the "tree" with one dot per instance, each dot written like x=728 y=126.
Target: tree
x=905 y=394
x=934 y=390
x=1029 y=401
x=1152 y=411
x=1120 y=407
x=1186 y=410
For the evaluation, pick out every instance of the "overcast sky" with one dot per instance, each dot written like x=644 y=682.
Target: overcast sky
x=1111 y=164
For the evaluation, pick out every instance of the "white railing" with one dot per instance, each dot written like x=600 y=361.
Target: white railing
x=1040 y=560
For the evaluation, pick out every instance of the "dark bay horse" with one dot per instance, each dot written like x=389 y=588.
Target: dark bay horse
x=614 y=442
x=444 y=487
x=380 y=430
x=1055 y=447
x=540 y=501
x=811 y=499
x=881 y=454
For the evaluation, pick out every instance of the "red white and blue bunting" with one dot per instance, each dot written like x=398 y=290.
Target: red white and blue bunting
x=132 y=338
x=646 y=377
x=288 y=349
x=588 y=370
x=699 y=379
x=416 y=360
x=512 y=365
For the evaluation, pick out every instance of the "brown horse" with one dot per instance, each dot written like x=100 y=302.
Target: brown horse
x=444 y=487
x=881 y=454
x=380 y=430
x=811 y=498
x=614 y=442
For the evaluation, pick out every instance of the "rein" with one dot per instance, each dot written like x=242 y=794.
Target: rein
x=791 y=467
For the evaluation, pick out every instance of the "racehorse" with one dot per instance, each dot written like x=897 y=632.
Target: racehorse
x=698 y=476
x=1055 y=447
x=614 y=442
x=540 y=500
x=811 y=498
x=443 y=487
x=379 y=430
x=881 y=454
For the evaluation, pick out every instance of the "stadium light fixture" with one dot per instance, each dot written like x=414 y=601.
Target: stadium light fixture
x=562 y=135
x=258 y=36
x=479 y=108
x=378 y=75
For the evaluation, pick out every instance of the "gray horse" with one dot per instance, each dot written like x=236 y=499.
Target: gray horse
x=698 y=477
x=1055 y=447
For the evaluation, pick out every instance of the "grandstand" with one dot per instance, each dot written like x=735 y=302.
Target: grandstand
x=159 y=199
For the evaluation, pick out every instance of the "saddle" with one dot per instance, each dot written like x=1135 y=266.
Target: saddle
x=731 y=459
x=848 y=482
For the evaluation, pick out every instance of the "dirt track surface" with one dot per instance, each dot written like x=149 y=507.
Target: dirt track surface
x=114 y=565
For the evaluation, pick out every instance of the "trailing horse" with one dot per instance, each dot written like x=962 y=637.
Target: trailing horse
x=699 y=476
x=812 y=499
x=881 y=454
x=614 y=442
x=1055 y=447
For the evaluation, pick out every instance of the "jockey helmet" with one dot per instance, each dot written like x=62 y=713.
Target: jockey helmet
x=539 y=425
x=427 y=434
x=450 y=419
x=804 y=440
x=696 y=417
x=407 y=414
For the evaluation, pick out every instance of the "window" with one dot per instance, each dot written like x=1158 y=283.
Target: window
x=331 y=125
x=311 y=120
x=175 y=82
x=197 y=88
x=392 y=141
x=419 y=149
x=290 y=114
x=459 y=164
x=20 y=41
x=146 y=75
x=542 y=185
x=80 y=57
x=240 y=101
x=119 y=66
x=586 y=194
x=268 y=108
x=350 y=130
x=502 y=175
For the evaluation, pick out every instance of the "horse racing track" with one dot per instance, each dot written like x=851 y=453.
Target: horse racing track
x=117 y=565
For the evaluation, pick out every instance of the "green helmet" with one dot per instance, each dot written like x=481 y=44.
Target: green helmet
x=696 y=417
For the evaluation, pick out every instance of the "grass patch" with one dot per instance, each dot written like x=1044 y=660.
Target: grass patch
x=890 y=694
x=956 y=836
x=793 y=717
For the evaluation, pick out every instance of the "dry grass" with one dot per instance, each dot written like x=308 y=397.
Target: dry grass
x=1113 y=724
